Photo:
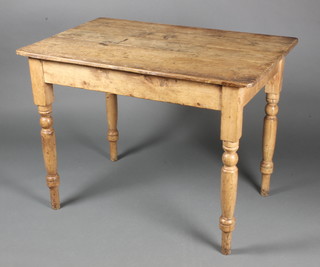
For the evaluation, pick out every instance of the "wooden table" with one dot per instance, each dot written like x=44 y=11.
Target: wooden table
x=205 y=68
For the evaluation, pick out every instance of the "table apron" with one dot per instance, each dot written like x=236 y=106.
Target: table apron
x=150 y=87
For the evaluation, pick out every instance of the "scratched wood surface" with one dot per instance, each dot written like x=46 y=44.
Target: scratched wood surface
x=202 y=55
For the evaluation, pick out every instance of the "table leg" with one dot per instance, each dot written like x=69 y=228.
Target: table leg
x=229 y=181
x=48 y=139
x=43 y=98
x=112 y=115
x=231 y=130
x=269 y=141
x=272 y=89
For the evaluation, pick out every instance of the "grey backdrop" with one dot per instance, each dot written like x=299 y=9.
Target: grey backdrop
x=159 y=204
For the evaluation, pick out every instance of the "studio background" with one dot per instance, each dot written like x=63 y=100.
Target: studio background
x=159 y=204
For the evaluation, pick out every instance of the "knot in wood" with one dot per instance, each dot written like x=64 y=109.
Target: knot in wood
x=46 y=122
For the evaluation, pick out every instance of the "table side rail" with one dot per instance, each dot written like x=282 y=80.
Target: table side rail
x=136 y=85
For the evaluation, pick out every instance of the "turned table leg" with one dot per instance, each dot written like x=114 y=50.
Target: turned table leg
x=229 y=181
x=231 y=130
x=272 y=89
x=269 y=141
x=112 y=115
x=48 y=139
x=43 y=98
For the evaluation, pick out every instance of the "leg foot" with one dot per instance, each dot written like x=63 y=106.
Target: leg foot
x=265 y=185
x=55 y=199
x=113 y=148
x=53 y=184
x=226 y=243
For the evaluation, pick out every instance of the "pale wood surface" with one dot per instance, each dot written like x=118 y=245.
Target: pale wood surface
x=42 y=91
x=130 y=84
x=231 y=114
x=203 y=55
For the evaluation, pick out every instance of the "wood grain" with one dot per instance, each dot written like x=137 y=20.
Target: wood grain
x=230 y=133
x=43 y=98
x=42 y=92
x=136 y=85
x=231 y=114
x=202 y=55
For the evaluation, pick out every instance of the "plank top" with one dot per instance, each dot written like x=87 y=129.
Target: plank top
x=197 y=54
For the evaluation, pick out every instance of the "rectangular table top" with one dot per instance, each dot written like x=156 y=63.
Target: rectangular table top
x=196 y=54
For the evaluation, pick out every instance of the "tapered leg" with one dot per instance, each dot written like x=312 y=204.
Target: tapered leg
x=112 y=115
x=269 y=141
x=49 y=153
x=229 y=181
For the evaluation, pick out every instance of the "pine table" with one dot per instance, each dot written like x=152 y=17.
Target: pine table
x=204 y=68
